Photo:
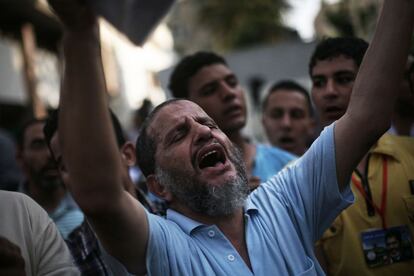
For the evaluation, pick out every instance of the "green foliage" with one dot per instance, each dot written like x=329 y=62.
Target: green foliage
x=235 y=24
x=347 y=18
x=341 y=20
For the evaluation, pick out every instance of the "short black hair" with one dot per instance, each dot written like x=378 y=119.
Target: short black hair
x=52 y=125
x=187 y=68
x=146 y=147
x=332 y=47
x=22 y=129
x=289 y=85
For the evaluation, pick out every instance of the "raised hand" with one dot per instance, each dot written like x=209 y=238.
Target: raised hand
x=76 y=15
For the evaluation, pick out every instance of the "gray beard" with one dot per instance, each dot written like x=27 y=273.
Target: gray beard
x=208 y=199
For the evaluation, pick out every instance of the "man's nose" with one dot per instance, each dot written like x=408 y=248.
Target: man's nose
x=286 y=120
x=330 y=88
x=226 y=91
x=47 y=154
x=202 y=133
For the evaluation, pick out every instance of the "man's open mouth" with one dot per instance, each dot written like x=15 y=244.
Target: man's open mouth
x=286 y=140
x=211 y=156
x=334 y=109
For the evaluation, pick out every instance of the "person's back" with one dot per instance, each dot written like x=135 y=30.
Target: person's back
x=27 y=225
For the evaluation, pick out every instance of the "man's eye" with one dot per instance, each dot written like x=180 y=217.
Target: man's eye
x=276 y=114
x=297 y=114
x=177 y=137
x=345 y=79
x=209 y=89
x=232 y=81
x=318 y=82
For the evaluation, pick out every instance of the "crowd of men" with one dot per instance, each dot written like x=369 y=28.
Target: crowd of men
x=331 y=193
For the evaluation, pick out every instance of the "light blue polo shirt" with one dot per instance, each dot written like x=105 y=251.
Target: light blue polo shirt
x=269 y=160
x=67 y=216
x=284 y=217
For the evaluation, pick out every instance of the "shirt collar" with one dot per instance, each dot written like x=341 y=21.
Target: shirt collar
x=185 y=223
x=60 y=210
x=188 y=225
x=386 y=145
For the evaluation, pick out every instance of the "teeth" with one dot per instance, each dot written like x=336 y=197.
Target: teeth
x=208 y=153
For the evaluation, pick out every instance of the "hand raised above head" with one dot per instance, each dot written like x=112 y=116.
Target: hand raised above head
x=76 y=15
x=11 y=259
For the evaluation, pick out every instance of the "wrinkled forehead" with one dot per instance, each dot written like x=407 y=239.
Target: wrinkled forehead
x=173 y=114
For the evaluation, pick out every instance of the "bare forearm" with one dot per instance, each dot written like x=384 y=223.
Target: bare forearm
x=375 y=90
x=92 y=155
x=88 y=141
x=382 y=69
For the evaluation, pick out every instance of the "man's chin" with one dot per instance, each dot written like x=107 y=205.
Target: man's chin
x=51 y=183
x=218 y=180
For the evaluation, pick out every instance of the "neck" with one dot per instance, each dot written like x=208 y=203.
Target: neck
x=403 y=125
x=300 y=150
x=206 y=219
x=248 y=150
x=237 y=138
x=49 y=200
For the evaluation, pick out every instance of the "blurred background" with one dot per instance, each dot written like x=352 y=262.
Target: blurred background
x=263 y=41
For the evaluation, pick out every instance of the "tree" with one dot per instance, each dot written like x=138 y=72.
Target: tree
x=350 y=18
x=222 y=25
x=236 y=24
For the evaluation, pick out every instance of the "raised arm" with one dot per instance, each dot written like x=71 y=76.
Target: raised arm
x=88 y=141
x=369 y=112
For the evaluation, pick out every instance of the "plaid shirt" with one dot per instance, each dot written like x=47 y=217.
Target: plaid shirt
x=85 y=250
x=84 y=245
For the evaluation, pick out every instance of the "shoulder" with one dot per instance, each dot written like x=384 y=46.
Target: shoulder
x=399 y=147
x=268 y=151
x=19 y=203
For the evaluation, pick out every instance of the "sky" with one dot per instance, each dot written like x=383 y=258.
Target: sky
x=302 y=15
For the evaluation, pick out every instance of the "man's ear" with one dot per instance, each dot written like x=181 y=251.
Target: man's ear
x=158 y=189
x=128 y=154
